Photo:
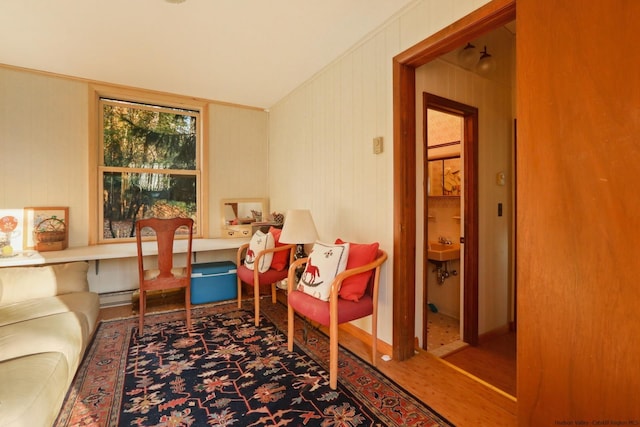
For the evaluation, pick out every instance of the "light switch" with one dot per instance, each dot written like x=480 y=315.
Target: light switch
x=377 y=145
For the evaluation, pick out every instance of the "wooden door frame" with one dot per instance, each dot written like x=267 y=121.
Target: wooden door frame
x=487 y=18
x=470 y=232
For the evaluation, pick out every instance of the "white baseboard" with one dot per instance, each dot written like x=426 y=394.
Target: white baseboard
x=113 y=299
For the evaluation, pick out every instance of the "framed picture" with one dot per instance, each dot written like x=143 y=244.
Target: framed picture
x=11 y=231
x=46 y=228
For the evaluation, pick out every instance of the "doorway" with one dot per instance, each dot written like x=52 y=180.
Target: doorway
x=484 y=19
x=451 y=204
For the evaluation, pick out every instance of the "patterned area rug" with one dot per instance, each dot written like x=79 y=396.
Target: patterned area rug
x=227 y=372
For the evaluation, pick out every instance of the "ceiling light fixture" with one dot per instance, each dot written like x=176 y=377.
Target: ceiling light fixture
x=175 y=1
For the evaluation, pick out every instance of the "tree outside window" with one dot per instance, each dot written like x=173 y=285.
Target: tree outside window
x=149 y=165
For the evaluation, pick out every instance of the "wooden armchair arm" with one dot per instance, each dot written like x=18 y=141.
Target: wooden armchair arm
x=375 y=264
x=243 y=248
x=274 y=250
x=240 y=254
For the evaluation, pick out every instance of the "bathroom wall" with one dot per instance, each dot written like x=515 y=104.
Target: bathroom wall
x=443 y=213
x=444 y=220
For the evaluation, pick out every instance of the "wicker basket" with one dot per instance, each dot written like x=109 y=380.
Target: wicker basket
x=50 y=235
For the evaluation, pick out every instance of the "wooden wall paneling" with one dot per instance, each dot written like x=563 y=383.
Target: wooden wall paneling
x=578 y=223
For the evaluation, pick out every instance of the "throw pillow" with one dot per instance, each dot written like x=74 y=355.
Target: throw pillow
x=280 y=259
x=71 y=277
x=325 y=262
x=259 y=242
x=359 y=254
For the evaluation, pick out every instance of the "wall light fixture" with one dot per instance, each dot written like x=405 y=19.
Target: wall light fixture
x=468 y=58
x=486 y=64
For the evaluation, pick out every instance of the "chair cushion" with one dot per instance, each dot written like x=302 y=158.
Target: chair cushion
x=176 y=271
x=318 y=310
x=259 y=242
x=354 y=287
x=268 y=277
x=280 y=259
x=325 y=262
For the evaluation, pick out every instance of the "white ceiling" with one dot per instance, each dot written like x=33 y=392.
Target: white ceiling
x=248 y=52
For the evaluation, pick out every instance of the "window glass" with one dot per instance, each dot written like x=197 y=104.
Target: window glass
x=149 y=165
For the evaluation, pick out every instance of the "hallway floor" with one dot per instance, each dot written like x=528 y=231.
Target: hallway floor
x=493 y=361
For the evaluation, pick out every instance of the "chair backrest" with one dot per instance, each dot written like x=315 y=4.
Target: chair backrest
x=165 y=230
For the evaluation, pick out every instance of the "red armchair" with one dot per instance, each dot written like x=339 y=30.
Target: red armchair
x=257 y=279
x=337 y=310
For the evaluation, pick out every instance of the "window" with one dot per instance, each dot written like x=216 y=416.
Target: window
x=149 y=164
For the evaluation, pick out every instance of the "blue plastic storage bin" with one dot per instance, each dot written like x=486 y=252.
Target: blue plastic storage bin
x=213 y=281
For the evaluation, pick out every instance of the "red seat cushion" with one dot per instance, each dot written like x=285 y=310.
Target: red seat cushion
x=268 y=277
x=354 y=287
x=318 y=310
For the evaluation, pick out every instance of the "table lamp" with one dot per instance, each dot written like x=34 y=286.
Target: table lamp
x=298 y=229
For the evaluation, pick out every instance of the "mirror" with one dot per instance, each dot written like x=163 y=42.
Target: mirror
x=445 y=177
x=241 y=216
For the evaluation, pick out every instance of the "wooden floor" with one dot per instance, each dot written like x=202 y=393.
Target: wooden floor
x=461 y=398
x=494 y=361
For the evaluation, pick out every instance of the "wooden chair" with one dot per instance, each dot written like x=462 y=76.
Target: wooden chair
x=257 y=279
x=337 y=310
x=165 y=276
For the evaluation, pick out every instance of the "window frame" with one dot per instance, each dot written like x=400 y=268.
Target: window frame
x=96 y=154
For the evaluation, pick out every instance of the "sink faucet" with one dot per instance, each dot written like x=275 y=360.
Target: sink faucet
x=444 y=241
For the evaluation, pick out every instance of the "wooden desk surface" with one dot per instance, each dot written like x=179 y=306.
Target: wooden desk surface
x=113 y=251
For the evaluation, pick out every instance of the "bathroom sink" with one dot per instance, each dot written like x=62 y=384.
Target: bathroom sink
x=441 y=252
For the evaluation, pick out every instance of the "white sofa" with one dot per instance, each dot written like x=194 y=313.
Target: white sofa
x=47 y=318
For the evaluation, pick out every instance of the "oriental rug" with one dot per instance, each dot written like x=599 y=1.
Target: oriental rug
x=227 y=372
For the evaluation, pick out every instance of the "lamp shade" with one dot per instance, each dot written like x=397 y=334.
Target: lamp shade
x=298 y=227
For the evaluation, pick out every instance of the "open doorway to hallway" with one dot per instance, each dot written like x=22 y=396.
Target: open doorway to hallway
x=480 y=297
x=448 y=140
x=411 y=78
